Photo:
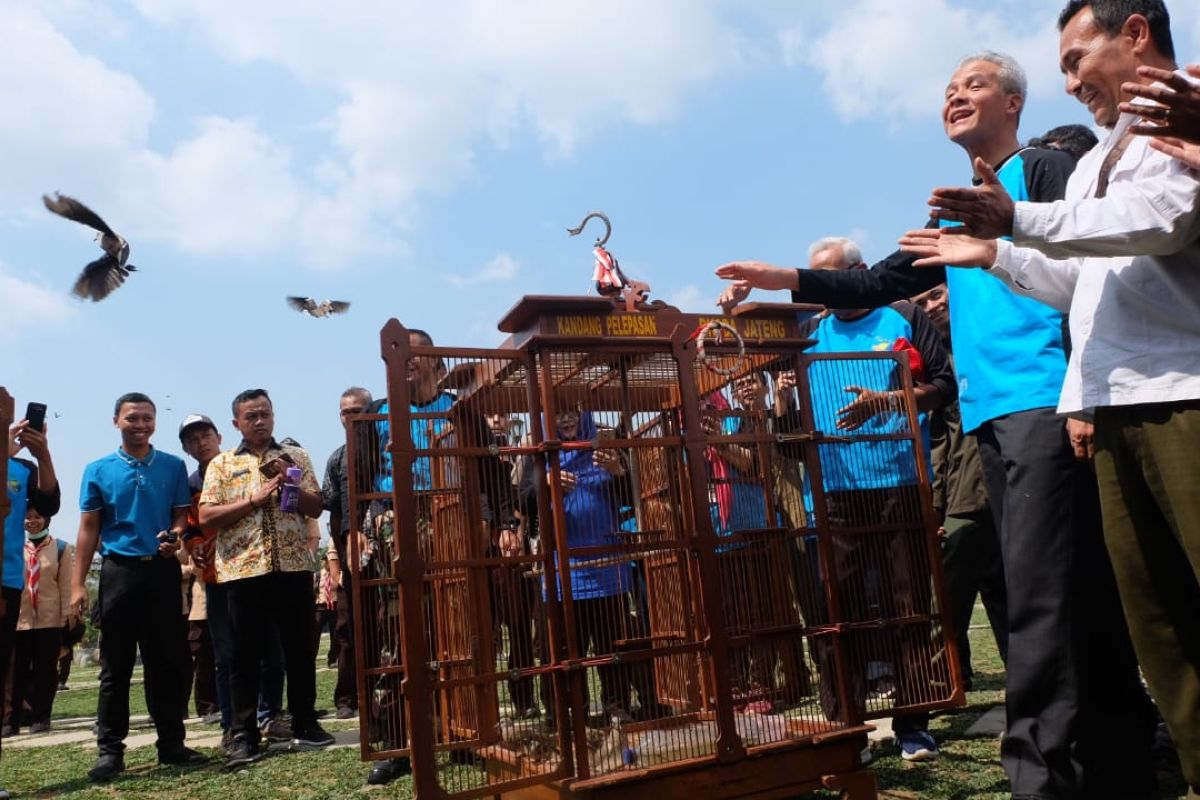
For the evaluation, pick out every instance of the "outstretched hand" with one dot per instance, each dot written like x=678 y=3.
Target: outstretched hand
x=985 y=211
x=1173 y=119
x=948 y=247
x=758 y=275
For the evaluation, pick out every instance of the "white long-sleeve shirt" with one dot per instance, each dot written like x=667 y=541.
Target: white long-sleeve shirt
x=1126 y=267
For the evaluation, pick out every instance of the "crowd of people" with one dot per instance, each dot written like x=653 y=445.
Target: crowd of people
x=1055 y=308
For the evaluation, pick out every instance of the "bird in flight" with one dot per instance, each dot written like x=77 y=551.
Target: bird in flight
x=323 y=309
x=106 y=273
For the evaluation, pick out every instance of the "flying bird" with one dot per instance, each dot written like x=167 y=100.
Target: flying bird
x=106 y=273
x=323 y=309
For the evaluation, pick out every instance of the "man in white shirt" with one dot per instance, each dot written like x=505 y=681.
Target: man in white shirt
x=1122 y=254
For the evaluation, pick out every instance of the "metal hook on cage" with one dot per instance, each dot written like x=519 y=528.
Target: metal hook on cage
x=601 y=241
x=719 y=327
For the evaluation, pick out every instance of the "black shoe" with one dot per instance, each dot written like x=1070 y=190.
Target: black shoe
x=40 y=727
x=242 y=752
x=346 y=712
x=312 y=738
x=9 y=731
x=321 y=713
x=387 y=771
x=182 y=756
x=226 y=746
x=108 y=766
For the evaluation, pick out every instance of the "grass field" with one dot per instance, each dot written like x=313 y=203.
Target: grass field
x=969 y=767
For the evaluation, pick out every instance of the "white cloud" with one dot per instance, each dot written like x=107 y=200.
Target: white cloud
x=29 y=305
x=879 y=58
x=502 y=267
x=691 y=299
x=418 y=88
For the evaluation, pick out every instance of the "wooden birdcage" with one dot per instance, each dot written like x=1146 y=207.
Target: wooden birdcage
x=629 y=556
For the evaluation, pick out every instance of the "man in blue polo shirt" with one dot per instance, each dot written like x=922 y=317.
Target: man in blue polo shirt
x=133 y=505
x=30 y=485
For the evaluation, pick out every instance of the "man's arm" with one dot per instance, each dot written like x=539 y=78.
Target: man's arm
x=44 y=492
x=1023 y=270
x=225 y=514
x=86 y=542
x=891 y=279
x=66 y=576
x=1158 y=213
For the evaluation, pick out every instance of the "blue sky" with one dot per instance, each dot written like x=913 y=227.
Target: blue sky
x=423 y=161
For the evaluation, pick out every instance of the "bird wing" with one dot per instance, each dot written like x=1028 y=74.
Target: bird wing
x=338 y=306
x=72 y=209
x=302 y=303
x=100 y=278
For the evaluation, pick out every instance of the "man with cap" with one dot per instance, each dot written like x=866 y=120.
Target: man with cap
x=208 y=628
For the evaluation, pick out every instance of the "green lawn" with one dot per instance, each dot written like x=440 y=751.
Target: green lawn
x=969 y=767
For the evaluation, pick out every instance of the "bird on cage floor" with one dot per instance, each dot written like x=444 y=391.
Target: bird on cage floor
x=323 y=309
x=101 y=277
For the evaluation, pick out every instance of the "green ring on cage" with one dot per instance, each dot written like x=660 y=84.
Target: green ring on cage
x=718 y=325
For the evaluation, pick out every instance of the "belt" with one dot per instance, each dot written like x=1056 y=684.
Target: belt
x=123 y=559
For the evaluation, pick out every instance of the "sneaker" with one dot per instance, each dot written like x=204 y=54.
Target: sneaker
x=917 y=746
x=108 y=766
x=242 y=753
x=62 y=687
x=182 y=756
x=313 y=737
x=40 y=727
x=346 y=712
x=387 y=771
x=277 y=730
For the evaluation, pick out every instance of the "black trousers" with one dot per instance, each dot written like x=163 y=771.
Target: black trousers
x=140 y=608
x=8 y=628
x=286 y=599
x=1079 y=721
x=973 y=567
x=345 y=692
x=34 y=676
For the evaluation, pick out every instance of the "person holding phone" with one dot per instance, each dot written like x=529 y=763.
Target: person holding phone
x=130 y=501
x=31 y=484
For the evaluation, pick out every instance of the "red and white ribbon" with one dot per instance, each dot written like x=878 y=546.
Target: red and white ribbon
x=605 y=274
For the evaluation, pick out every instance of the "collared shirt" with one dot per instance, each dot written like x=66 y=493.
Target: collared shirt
x=135 y=498
x=265 y=540
x=1129 y=274
x=23 y=492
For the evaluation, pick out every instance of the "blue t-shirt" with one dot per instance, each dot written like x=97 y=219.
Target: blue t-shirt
x=135 y=499
x=862 y=464
x=1008 y=348
x=422 y=432
x=748 y=510
x=19 y=476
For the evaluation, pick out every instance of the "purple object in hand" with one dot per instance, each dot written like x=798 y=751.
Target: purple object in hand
x=289 y=493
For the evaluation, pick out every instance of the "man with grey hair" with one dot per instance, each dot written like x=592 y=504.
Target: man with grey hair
x=1079 y=720
x=850 y=254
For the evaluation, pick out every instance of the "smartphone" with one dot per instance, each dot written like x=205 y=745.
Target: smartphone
x=36 y=414
x=270 y=469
